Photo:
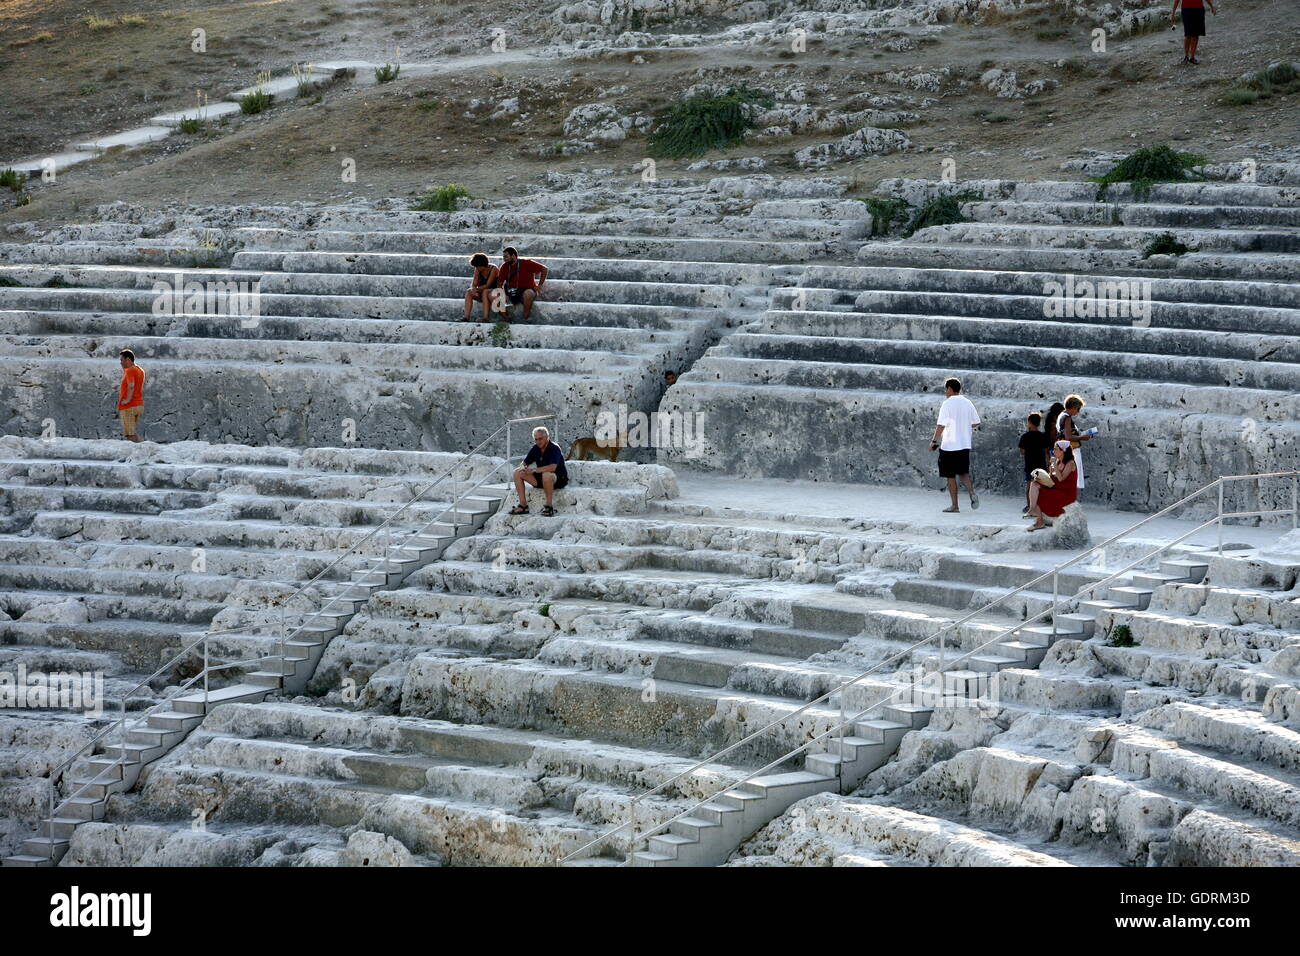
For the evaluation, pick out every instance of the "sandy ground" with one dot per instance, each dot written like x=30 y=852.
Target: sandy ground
x=412 y=134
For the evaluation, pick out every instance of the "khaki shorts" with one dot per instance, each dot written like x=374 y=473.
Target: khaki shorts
x=130 y=418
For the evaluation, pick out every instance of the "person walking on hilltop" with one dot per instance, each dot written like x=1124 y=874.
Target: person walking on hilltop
x=952 y=440
x=1193 y=25
x=130 y=395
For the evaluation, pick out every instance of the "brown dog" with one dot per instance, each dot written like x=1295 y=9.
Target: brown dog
x=583 y=447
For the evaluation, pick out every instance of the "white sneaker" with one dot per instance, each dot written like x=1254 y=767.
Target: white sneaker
x=975 y=502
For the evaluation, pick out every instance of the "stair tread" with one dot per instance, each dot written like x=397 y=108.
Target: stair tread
x=233 y=692
x=880 y=723
x=790 y=778
x=697 y=822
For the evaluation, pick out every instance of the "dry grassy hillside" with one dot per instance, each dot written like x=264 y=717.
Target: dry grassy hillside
x=64 y=76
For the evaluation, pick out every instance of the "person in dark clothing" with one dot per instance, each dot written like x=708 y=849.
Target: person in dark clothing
x=1033 y=448
x=1193 y=25
x=543 y=468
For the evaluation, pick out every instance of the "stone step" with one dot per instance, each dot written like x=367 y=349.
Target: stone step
x=854 y=279
x=632 y=225
x=719 y=370
x=129 y=139
x=1124 y=311
x=1195 y=192
x=1145 y=367
x=345 y=307
x=1094 y=337
x=206 y=113
x=1244 y=266
x=446 y=285
x=1148 y=215
x=540 y=246
x=1276 y=239
x=286 y=87
x=598 y=269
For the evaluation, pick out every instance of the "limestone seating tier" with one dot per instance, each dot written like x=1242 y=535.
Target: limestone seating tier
x=860 y=350
x=109 y=564
x=839 y=281
x=594 y=357
x=456 y=793
x=1090 y=760
x=1046 y=225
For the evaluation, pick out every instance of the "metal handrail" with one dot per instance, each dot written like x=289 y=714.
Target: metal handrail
x=998 y=638
x=505 y=426
x=942 y=632
x=210 y=668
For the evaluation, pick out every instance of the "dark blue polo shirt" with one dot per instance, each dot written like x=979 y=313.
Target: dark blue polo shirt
x=552 y=456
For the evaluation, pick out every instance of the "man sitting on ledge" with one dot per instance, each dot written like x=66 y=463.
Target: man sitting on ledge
x=546 y=472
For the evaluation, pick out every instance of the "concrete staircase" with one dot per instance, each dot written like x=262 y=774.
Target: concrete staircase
x=142 y=740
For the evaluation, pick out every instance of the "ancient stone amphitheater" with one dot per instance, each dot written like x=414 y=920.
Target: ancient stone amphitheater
x=323 y=641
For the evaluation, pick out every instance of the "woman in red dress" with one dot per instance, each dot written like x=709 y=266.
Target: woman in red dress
x=1049 y=501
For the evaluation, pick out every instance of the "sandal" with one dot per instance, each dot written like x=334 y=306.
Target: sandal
x=519 y=510
x=548 y=511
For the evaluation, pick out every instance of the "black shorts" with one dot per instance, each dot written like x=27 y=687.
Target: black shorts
x=516 y=296
x=1030 y=469
x=560 y=480
x=1194 y=23
x=954 y=463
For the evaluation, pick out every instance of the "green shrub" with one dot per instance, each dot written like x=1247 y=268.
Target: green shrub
x=56 y=282
x=8 y=283
x=442 y=199
x=191 y=125
x=1165 y=244
x=1121 y=636
x=941 y=211
x=1244 y=95
x=1148 y=166
x=694 y=126
x=387 y=73
x=1279 y=78
x=544 y=610
x=254 y=102
x=885 y=212
x=500 y=334
x=11 y=179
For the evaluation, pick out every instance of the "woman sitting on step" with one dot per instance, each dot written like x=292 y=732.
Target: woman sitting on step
x=1052 y=490
x=486 y=278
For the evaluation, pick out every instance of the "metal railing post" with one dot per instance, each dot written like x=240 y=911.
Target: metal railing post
x=1056 y=597
x=631 y=843
x=1295 y=500
x=1220 y=522
x=840 y=768
x=205 y=671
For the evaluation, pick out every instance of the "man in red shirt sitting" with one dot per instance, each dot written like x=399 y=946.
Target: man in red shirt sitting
x=521 y=279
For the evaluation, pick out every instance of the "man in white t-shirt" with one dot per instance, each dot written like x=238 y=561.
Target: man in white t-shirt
x=952 y=440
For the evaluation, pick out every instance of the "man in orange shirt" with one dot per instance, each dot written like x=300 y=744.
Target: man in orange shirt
x=130 y=396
